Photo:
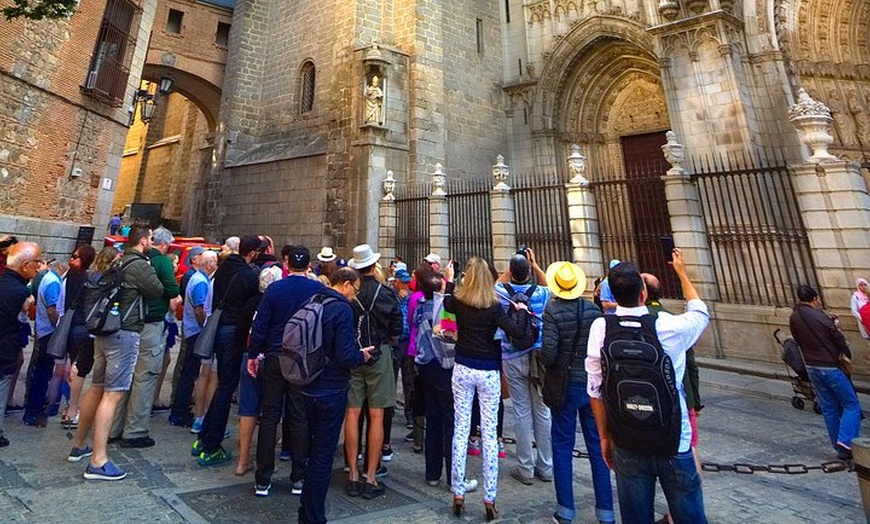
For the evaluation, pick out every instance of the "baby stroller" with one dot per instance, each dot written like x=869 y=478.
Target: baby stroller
x=797 y=373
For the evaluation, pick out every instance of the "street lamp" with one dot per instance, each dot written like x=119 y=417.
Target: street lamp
x=147 y=101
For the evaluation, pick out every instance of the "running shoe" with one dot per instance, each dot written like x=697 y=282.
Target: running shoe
x=262 y=491
x=108 y=471
x=76 y=454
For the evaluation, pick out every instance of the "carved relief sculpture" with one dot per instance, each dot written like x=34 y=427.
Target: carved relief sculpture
x=389 y=186
x=862 y=118
x=374 y=103
x=842 y=120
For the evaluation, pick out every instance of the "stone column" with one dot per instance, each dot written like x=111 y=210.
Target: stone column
x=504 y=220
x=439 y=215
x=835 y=207
x=387 y=219
x=687 y=220
x=583 y=219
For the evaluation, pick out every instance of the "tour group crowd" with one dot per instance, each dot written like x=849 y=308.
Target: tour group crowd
x=462 y=340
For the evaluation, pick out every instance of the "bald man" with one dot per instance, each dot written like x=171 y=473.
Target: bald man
x=22 y=263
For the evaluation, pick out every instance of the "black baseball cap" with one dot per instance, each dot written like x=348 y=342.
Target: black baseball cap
x=299 y=257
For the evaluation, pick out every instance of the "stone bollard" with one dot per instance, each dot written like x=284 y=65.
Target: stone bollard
x=861 y=454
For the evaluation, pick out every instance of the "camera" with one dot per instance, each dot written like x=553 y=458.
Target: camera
x=376 y=355
x=523 y=250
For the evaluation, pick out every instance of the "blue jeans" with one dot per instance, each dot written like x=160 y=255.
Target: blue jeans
x=184 y=390
x=229 y=358
x=839 y=403
x=43 y=368
x=325 y=416
x=564 y=422
x=636 y=487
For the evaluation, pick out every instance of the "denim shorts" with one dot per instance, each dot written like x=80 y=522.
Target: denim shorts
x=250 y=392
x=115 y=358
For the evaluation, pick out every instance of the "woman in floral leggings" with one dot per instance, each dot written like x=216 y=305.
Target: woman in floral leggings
x=478 y=362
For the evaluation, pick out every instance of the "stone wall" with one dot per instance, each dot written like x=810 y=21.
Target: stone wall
x=57 y=239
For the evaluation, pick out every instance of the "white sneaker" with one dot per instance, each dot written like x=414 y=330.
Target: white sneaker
x=262 y=491
x=297 y=487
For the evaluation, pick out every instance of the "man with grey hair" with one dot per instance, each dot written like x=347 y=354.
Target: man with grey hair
x=21 y=265
x=41 y=363
x=134 y=416
x=231 y=245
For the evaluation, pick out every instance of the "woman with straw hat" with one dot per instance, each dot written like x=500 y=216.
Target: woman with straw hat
x=567 y=320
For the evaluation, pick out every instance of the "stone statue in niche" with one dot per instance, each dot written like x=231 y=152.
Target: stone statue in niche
x=862 y=118
x=842 y=120
x=374 y=103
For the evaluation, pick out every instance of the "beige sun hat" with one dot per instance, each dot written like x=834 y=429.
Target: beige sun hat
x=566 y=280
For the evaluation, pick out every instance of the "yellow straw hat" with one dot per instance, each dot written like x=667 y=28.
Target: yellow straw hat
x=566 y=280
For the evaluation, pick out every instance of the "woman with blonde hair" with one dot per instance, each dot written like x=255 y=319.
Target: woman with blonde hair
x=477 y=368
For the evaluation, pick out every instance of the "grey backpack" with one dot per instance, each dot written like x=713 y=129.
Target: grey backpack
x=302 y=356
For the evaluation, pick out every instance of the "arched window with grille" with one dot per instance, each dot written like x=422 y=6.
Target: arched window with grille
x=306 y=87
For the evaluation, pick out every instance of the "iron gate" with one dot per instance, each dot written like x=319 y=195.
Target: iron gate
x=542 y=216
x=412 y=227
x=470 y=219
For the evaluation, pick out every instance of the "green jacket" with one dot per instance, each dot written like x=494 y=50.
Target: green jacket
x=139 y=280
x=162 y=265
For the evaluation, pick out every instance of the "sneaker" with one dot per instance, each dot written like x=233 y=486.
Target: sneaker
x=501 y=451
x=409 y=437
x=196 y=448
x=380 y=473
x=544 y=478
x=183 y=422
x=4 y=442
x=474 y=447
x=262 y=491
x=409 y=425
x=433 y=483
x=141 y=442
x=76 y=454
x=843 y=453
x=196 y=425
x=560 y=520
x=297 y=487
x=14 y=409
x=285 y=455
x=159 y=410
x=517 y=474
x=227 y=434
x=221 y=456
x=353 y=488
x=107 y=471
x=387 y=454
x=37 y=422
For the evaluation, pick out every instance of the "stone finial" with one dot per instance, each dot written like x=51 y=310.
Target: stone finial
x=389 y=186
x=813 y=122
x=669 y=9
x=374 y=56
x=439 y=179
x=577 y=167
x=500 y=172
x=674 y=151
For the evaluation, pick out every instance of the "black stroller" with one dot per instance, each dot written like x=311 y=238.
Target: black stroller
x=797 y=373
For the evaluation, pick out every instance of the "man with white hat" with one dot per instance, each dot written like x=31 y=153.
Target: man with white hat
x=434 y=261
x=379 y=322
x=567 y=320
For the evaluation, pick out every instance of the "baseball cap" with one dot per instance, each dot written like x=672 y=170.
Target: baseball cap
x=299 y=257
x=432 y=258
x=403 y=275
x=195 y=251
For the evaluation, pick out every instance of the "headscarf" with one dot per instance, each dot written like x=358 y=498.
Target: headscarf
x=862 y=297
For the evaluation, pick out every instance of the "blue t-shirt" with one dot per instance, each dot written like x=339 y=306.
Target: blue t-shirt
x=606 y=295
x=537 y=304
x=46 y=297
x=198 y=293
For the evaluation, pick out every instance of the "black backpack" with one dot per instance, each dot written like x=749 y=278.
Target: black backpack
x=524 y=320
x=100 y=300
x=303 y=357
x=368 y=332
x=639 y=388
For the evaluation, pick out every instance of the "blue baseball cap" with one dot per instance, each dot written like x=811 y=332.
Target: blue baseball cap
x=403 y=275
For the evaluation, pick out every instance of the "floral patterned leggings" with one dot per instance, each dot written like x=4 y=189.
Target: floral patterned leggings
x=488 y=386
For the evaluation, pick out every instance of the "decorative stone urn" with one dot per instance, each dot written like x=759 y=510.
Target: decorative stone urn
x=675 y=152
x=500 y=173
x=813 y=122
x=389 y=186
x=669 y=9
x=439 y=179
x=577 y=167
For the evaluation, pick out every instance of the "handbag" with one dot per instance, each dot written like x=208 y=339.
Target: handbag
x=58 y=343
x=204 y=345
x=554 y=389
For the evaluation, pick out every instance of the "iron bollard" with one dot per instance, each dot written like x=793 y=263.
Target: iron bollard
x=861 y=454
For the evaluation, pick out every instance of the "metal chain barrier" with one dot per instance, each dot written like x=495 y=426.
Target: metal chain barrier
x=833 y=466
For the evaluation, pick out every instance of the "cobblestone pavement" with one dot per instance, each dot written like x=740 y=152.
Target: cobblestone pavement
x=166 y=485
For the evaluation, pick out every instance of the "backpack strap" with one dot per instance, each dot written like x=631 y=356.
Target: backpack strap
x=227 y=290
x=509 y=289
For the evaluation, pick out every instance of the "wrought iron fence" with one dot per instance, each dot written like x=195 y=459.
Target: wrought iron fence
x=542 y=216
x=470 y=219
x=755 y=232
x=632 y=217
x=412 y=228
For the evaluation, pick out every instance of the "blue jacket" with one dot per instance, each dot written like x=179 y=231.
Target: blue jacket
x=280 y=301
x=339 y=331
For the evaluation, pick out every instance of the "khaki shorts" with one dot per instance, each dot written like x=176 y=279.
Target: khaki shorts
x=374 y=383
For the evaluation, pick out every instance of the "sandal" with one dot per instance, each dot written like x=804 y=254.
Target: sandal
x=458 y=506
x=491 y=511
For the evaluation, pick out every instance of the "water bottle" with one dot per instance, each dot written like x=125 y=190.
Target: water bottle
x=116 y=310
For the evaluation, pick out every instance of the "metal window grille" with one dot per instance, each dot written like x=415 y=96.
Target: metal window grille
x=412 y=228
x=755 y=232
x=542 y=216
x=116 y=41
x=470 y=218
x=306 y=99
